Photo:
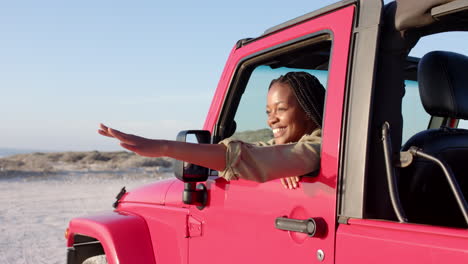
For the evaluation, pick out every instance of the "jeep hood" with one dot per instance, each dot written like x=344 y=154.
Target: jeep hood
x=153 y=193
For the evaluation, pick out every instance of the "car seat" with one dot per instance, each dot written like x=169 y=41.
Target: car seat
x=424 y=191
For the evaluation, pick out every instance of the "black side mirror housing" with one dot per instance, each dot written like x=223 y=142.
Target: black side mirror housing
x=185 y=171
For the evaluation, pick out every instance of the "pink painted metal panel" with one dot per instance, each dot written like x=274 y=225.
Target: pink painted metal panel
x=167 y=227
x=154 y=193
x=372 y=241
x=174 y=195
x=238 y=224
x=125 y=238
x=218 y=97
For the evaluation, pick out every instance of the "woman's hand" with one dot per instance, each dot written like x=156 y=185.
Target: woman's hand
x=140 y=145
x=291 y=182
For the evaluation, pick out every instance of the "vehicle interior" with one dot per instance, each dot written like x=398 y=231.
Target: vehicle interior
x=406 y=185
x=442 y=81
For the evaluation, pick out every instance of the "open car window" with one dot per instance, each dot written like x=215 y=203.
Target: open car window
x=244 y=114
x=250 y=117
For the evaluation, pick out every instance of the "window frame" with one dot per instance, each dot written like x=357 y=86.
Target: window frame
x=244 y=71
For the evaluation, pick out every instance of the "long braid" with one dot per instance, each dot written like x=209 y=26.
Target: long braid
x=309 y=93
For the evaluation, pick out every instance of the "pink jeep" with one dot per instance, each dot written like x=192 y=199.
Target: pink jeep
x=392 y=186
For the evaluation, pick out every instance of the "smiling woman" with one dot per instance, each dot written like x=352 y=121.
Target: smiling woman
x=294 y=109
x=295 y=106
x=251 y=122
x=286 y=118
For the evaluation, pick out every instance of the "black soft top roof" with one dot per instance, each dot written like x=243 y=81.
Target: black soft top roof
x=416 y=14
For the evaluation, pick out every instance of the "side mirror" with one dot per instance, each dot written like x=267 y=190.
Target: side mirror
x=190 y=174
x=185 y=171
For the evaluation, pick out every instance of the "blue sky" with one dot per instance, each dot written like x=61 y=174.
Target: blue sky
x=146 y=67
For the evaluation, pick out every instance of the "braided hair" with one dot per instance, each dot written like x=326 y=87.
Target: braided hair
x=309 y=92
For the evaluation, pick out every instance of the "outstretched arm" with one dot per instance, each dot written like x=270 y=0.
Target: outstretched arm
x=207 y=155
x=212 y=156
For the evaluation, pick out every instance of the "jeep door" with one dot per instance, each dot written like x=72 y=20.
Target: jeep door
x=238 y=224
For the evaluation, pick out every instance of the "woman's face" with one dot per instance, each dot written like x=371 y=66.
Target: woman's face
x=285 y=116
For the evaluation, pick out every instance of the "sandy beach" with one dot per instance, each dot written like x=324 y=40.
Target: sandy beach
x=35 y=208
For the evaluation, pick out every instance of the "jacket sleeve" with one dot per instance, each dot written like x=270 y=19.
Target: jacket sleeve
x=262 y=162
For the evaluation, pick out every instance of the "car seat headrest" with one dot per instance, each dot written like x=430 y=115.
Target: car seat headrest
x=443 y=84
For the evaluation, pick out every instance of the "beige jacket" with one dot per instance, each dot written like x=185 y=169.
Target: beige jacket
x=265 y=161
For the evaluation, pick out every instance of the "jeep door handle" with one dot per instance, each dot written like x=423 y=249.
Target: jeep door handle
x=307 y=226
